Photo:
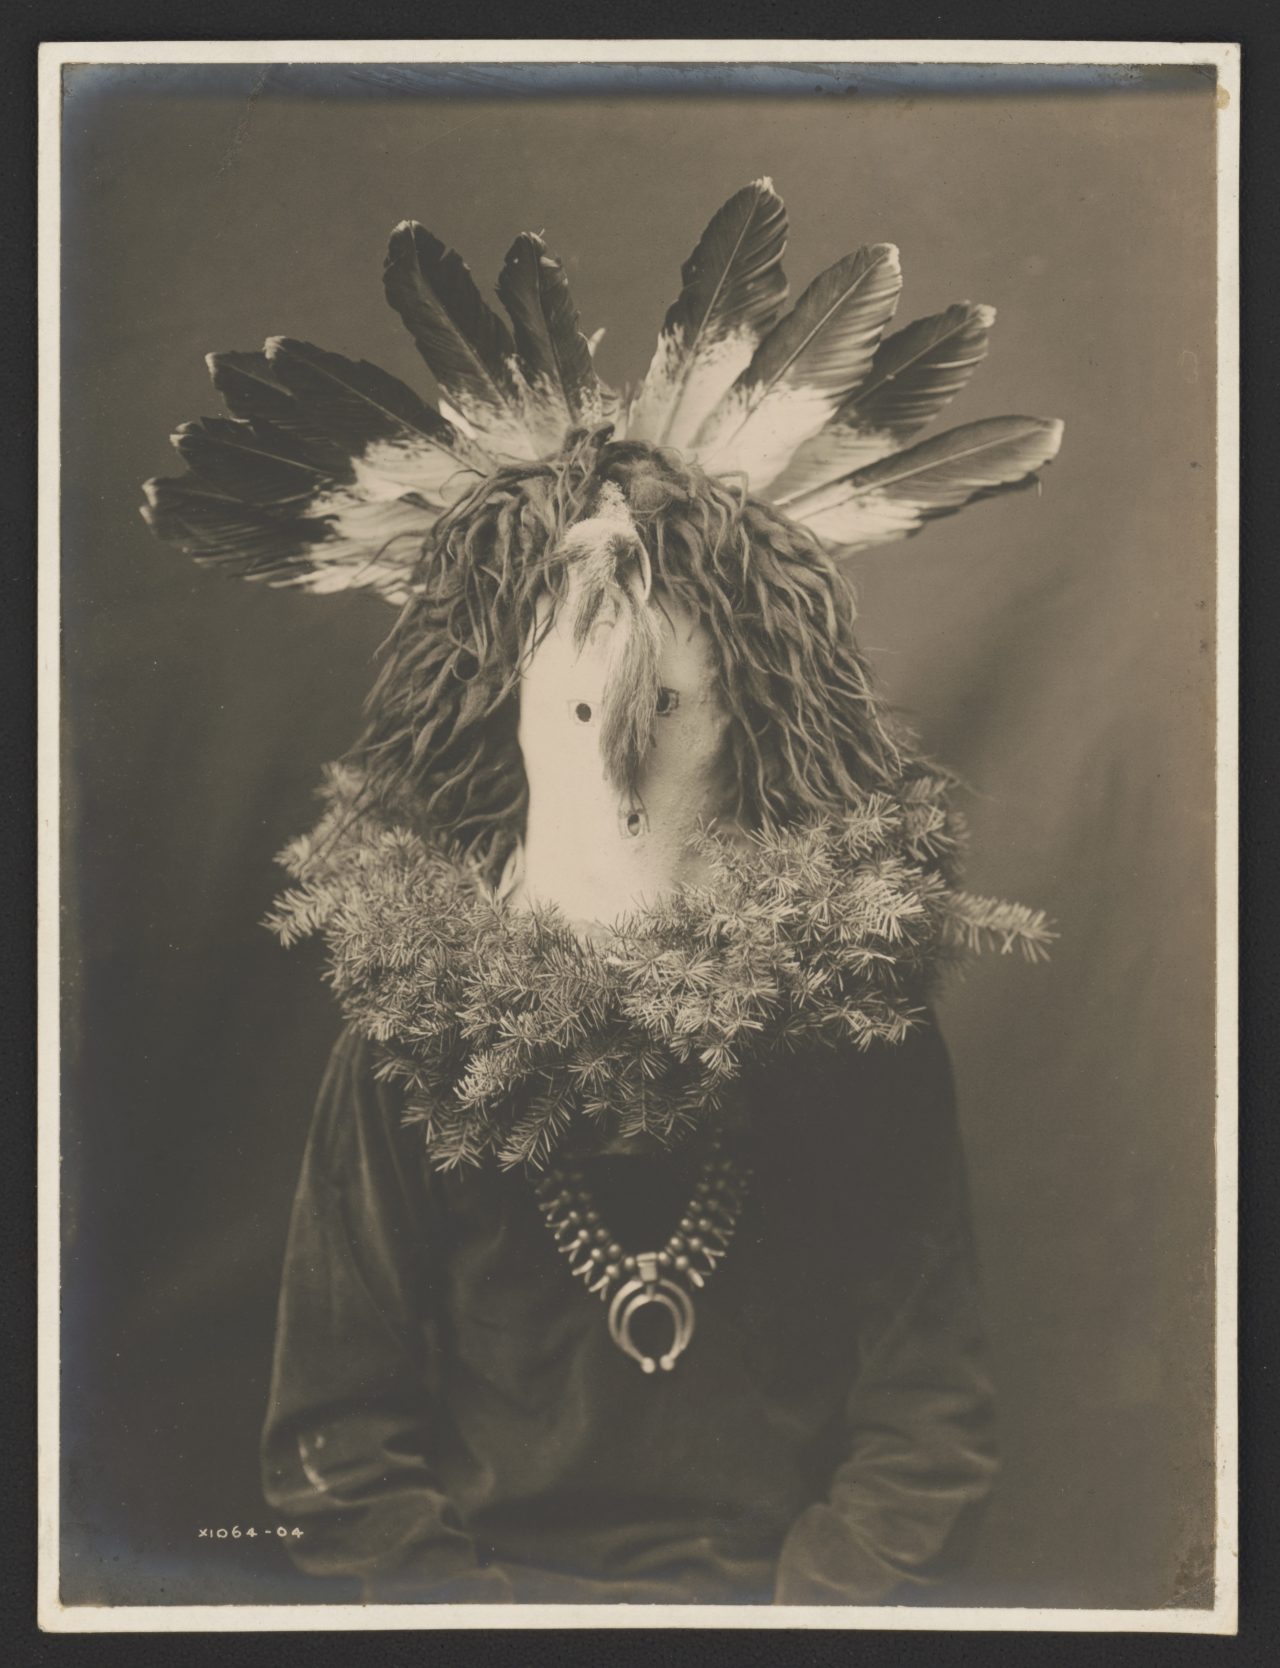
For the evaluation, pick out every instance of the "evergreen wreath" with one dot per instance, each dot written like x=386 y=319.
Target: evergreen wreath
x=506 y=1028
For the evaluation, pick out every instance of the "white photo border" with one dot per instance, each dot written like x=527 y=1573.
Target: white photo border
x=52 y=1615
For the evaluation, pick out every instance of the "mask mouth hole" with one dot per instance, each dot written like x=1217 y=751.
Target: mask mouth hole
x=633 y=822
x=581 y=711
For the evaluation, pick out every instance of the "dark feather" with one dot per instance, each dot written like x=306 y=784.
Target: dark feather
x=253 y=462
x=250 y=389
x=916 y=371
x=553 y=354
x=465 y=344
x=733 y=290
x=218 y=526
x=354 y=401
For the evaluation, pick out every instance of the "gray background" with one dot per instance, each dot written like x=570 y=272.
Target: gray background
x=1057 y=649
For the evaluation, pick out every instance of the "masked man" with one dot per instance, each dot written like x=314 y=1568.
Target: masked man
x=630 y=1259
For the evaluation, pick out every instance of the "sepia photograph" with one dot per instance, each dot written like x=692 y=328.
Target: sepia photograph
x=637 y=917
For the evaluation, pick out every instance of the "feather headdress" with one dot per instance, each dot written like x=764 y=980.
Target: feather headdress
x=532 y=510
x=329 y=473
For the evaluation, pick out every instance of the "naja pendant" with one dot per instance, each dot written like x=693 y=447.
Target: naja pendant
x=651 y=1288
x=631 y=1282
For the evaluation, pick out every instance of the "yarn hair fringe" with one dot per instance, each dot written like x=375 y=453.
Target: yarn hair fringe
x=807 y=733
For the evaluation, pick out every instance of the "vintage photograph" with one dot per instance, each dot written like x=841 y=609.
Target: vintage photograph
x=635 y=1026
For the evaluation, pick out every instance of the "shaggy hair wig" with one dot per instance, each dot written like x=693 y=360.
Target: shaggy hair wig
x=807 y=734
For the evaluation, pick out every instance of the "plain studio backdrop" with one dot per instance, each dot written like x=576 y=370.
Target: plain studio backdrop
x=1054 y=647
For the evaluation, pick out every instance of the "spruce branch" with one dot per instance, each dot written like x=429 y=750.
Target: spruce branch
x=503 y=1028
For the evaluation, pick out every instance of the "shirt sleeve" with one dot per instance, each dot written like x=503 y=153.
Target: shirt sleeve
x=346 y=1445
x=919 y=1449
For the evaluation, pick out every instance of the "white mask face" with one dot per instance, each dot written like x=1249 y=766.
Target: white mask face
x=591 y=849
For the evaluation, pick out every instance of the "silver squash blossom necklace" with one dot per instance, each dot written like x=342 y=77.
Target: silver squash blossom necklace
x=629 y=1282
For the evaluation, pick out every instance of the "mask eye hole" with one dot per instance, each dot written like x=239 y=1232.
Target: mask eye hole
x=668 y=701
x=580 y=711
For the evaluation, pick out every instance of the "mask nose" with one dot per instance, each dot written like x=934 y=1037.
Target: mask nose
x=611 y=585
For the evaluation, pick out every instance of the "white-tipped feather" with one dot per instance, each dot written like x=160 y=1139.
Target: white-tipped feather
x=552 y=366
x=733 y=290
x=383 y=425
x=914 y=374
x=336 y=541
x=371 y=546
x=387 y=471
x=804 y=369
x=894 y=498
x=466 y=346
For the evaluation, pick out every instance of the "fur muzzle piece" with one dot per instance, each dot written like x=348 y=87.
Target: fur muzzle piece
x=611 y=583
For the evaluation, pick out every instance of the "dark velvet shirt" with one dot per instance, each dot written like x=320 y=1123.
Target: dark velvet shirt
x=450 y=1420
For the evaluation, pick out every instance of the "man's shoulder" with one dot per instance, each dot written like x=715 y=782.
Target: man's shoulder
x=360 y=1103
x=848 y=1110
x=917 y=1064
